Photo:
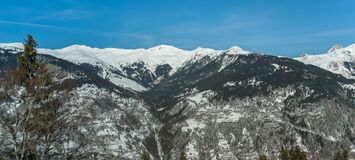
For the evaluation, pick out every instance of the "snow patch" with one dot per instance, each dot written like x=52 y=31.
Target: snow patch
x=277 y=67
x=229 y=84
x=231 y=117
x=127 y=83
x=192 y=124
x=200 y=97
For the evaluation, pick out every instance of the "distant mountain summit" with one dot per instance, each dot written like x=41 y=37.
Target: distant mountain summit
x=337 y=60
x=165 y=49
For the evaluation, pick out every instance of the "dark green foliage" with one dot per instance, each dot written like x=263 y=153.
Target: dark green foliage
x=338 y=156
x=145 y=155
x=298 y=154
x=345 y=155
x=342 y=155
x=263 y=157
x=284 y=154
x=27 y=62
x=295 y=153
x=183 y=156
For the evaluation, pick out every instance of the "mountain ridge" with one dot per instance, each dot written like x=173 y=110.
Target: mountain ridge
x=217 y=105
x=338 y=59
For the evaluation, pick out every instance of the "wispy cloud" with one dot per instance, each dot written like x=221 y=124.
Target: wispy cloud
x=67 y=14
x=33 y=25
x=338 y=32
x=53 y=27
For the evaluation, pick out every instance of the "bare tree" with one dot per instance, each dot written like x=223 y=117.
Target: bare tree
x=32 y=113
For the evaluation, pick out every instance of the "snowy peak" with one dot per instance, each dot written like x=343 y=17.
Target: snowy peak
x=75 y=47
x=335 y=48
x=164 y=49
x=205 y=51
x=236 y=50
x=14 y=47
x=11 y=45
x=339 y=50
x=338 y=60
x=351 y=48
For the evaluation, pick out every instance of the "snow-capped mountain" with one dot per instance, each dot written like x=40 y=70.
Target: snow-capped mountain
x=13 y=47
x=337 y=60
x=136 y=69
x=212 y=104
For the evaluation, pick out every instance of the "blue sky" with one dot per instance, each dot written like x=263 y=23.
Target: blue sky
x=280 y=27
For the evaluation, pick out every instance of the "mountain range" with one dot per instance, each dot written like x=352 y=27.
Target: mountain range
x=212 y=104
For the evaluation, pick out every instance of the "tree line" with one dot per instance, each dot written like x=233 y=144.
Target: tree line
x=293 y=153
x=296 y=153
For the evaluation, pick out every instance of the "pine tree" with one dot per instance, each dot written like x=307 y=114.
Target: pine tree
x=338 y=156
x=28 y=74
x=284 y=154
x=263 y=157
x=33 y=117
x=145 y=155
x=40 y=121
x=27 y=62
x=295 y=153
x=183 y=156
x=345 y=155
x=342 y=155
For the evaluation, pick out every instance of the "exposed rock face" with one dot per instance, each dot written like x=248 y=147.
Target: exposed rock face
x=240 y=106
x=227 y=105
x=110 y=126
x=244 y=128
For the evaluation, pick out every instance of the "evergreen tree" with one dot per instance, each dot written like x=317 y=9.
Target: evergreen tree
x=183 y=156
x=342 y=155
x=40 y=120
x=345 y=155
x=338 y=156
x=263 y=157
x=145 y=155
x=27 y=62
x=284 y=154
x=34 y=122
x=295 y=153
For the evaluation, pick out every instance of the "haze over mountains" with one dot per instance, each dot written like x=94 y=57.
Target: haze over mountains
x=212 y=104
